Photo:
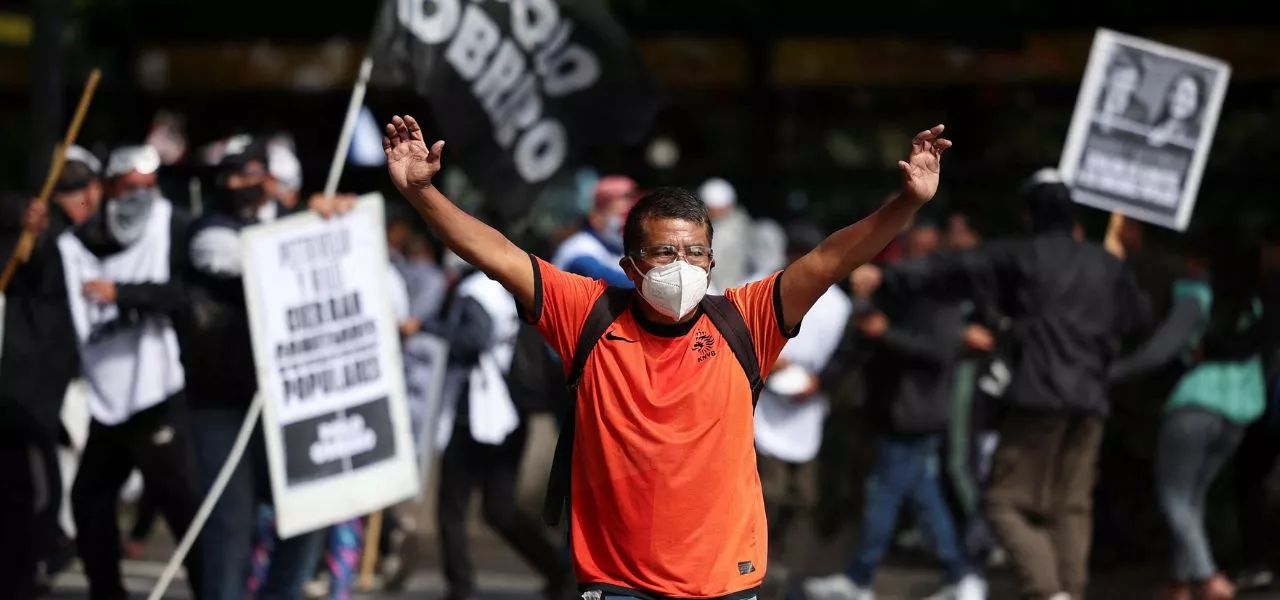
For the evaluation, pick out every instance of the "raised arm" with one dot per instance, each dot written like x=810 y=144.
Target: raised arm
x=1164 y=345
x=412 y=166
x=845 y=250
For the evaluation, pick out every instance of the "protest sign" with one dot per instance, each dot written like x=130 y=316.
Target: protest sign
x=1142 y=128
x=327 y=351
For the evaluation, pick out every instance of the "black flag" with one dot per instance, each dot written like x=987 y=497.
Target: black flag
x=521 y=88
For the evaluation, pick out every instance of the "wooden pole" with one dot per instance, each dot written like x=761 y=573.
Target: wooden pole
x=372 y=535
x=1112 y=240
x=28 y=240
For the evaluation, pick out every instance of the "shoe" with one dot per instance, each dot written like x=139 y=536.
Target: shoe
x=1254 y=579
x=399 y=565
x=835 y=587
x=971 y=587
x=317 y=588
x=1217 y=588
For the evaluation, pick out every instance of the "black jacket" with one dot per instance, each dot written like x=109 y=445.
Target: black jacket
x=39 y=357
x=1070 y=304
x=910 y=376
x=218 y=348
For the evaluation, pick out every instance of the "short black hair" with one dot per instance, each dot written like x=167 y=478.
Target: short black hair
x=663 y=203
x=1050 y=208
x=75 y=176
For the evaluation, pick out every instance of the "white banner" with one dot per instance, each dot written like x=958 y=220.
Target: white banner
x=327 y=350
x=1142 y=128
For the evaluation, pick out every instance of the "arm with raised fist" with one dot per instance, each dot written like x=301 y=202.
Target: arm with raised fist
x=412 y=166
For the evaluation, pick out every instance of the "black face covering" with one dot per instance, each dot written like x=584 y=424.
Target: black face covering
x=246 y=197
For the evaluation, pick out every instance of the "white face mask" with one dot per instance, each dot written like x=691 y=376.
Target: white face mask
x=127 y=215
x=674 y=290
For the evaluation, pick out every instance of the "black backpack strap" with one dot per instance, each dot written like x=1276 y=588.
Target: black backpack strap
x=608 y=307
x=728 y=320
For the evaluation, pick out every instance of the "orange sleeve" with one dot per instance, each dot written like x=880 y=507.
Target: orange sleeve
x=561 y=302
x=760 y=303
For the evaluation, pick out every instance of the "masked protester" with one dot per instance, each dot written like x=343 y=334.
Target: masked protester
x=664 y=498
x=123 y=270
x=595 y=250
x=38 y=338
x=224 y=380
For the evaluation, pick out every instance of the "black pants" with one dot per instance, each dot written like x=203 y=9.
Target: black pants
x=21 y=526
x=144 y=518
x=1254 y=460
x=156 y=441
x=466 y=464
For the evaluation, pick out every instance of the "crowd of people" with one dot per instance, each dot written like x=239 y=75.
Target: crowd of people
x=703 y=350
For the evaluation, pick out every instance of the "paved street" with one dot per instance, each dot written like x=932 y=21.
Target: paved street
x=504 y=576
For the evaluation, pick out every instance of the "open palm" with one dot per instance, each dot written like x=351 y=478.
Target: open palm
x=411 y=164
x=920 y=171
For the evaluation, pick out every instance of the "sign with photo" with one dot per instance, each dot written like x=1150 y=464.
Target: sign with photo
x=327 y=350
x=1142 y=128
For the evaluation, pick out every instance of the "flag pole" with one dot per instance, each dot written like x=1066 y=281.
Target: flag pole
x=372 y=533
x=349 y=124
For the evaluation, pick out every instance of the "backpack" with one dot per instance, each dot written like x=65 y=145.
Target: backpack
x=611 y=305
x=535 y=378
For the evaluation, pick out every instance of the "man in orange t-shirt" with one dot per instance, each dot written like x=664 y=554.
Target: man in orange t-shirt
x=666 y=499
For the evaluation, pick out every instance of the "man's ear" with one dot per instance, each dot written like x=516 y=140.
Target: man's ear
x=629 y=269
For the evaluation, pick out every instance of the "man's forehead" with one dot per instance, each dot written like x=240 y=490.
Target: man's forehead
x=674 y=231
x=135 y=178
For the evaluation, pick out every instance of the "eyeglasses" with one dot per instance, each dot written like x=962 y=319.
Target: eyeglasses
x=665 y=254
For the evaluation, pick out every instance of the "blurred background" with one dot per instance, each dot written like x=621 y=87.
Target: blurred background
x=804 y=105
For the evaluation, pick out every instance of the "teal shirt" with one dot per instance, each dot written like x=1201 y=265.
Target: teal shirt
x=1237 y=389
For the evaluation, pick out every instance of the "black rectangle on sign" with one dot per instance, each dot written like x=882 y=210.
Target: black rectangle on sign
x=337 y=442
x=377 y=418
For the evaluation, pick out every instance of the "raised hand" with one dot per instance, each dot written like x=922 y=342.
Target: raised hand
x=411 y=164
x=36 y=217
x=920 y=170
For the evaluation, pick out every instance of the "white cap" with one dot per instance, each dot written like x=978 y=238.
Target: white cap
x=718 y=193
x=81 y=155
x=143 y=159
x=1045 y=175
x=284 y=166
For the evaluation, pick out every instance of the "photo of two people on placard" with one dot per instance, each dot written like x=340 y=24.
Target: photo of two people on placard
x=1157 y=98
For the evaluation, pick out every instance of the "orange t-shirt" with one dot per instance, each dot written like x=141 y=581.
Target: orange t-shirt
x=666 y=497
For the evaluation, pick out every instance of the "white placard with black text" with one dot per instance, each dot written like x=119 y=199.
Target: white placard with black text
x=1142 y=128
x=327 y=350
